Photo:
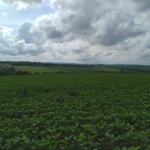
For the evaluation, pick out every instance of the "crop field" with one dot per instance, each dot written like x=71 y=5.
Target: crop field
x=53 y=69
x=130 y=68
x=107 y=69
x=85 y=111
x=4 y=64
x=33 y=69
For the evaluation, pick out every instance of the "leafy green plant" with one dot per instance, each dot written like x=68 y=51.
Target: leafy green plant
x=75 y=111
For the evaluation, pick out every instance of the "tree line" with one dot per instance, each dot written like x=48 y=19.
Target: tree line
x=10 y=70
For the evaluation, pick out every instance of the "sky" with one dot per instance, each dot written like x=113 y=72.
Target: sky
x=75 y=31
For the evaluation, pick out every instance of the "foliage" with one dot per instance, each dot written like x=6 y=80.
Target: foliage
x=75 y=112
x=7 y=70
x=22 y=72
x=10 y=70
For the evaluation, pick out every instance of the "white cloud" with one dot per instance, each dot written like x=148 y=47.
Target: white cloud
x=29 y=2
x=3 y=14
x=23 y=4
x=19 y=45
x=94 y=31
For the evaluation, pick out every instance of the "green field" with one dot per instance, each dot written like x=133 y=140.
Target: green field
x=33 y=69
x=41 y=69
x=106 y=68
x=131 y=68
x=86 y=111
x=4 y=64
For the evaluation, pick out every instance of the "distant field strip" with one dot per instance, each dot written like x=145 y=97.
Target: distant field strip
x=33 y=69
x=107 y=69
x=41 y=69
x=4 y=64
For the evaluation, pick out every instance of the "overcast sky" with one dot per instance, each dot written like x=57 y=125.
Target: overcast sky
x=77 y=31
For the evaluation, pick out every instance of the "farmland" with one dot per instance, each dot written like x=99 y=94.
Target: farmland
x=47 y=68
x=103 y=111
x=105 y=68
x=53 y=69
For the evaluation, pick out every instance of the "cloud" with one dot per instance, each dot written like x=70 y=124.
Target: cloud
x=3 y=14
x=23 y=4
x=20 y=44
x=77 y=51
x=5 y=36
x=142 y=5
x=86 y=31
x=54 y=34
x=29 y=2
x=76 y=16
x=29 y=34
x=71 y=20
x=29 y=48
x=6 y=41
x=96 y=21
x=50 y=27
x=116 y=28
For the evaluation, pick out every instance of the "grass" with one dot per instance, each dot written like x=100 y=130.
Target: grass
x=4 y=64
x=41 y=69
x=107 y=69
x=132 y=68
x=33 y=69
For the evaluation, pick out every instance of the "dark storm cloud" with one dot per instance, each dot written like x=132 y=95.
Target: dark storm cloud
x=30 y=2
